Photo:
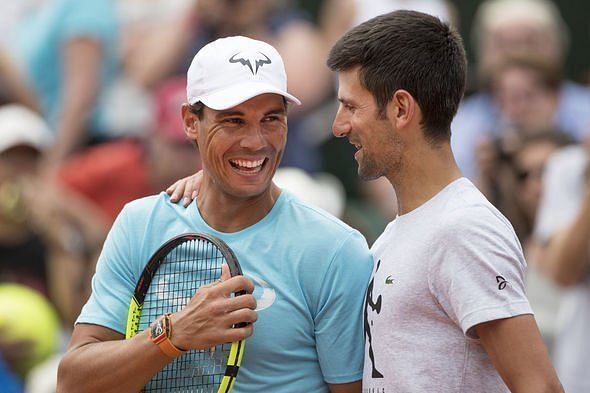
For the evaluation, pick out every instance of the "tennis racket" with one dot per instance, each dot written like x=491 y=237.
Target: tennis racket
x=169 y=280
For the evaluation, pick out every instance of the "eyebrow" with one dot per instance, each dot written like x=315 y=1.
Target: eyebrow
x=228 y=113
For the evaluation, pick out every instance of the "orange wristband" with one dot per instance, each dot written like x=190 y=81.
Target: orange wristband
x=160 y=333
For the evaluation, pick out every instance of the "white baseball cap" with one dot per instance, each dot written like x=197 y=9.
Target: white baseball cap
x=21 y=126
x=229 y=71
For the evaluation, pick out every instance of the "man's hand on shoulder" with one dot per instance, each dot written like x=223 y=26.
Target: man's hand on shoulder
x=186 y=189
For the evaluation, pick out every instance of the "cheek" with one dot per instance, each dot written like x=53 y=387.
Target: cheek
x=276 y=138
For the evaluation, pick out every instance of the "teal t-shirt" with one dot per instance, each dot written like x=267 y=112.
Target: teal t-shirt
x=310 y=271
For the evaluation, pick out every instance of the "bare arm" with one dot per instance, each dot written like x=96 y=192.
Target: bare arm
x=99 y=360
x=154 y=51
x=352 y=387
x=82 y=65
x=15 y=83
x=517 y=351
x=565 y=258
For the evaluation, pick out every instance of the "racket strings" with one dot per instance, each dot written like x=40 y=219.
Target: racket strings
x=183 y=270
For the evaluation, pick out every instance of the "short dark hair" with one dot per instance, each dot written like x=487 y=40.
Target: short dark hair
x=412 y=51
x=197 y=109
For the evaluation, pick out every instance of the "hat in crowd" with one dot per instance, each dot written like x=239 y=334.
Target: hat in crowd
x=169 y=96
x=497 y=14
x=20 y=126
x=322 y=190
x=232 y=70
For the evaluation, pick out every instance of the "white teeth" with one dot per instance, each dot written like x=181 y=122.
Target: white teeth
x=247 y=164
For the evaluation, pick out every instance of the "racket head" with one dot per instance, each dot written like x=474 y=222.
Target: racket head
x=168 y=282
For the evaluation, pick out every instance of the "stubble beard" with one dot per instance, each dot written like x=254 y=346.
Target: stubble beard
x=372 y=167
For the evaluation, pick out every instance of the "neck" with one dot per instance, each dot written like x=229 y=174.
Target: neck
x=425 y=171
x=228 y=213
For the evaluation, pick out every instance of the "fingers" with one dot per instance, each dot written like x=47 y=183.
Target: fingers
x=241 y=302
x=236 y=284
x=225 y=273
x=176 y=190
x=212 y=318
x=186 y=189
x=189 y=190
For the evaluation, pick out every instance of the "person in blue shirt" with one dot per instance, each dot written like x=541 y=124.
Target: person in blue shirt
x=67 y=50
x=306 y=271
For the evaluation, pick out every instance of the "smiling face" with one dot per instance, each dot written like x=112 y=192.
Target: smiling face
x=241 y=147
x=378 y=146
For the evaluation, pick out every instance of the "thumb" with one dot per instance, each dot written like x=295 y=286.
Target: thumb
x=225 y=273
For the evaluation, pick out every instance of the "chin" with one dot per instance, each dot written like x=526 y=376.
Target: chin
x=368 y=174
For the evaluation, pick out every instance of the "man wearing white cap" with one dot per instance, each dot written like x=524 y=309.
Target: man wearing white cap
x=308 y=268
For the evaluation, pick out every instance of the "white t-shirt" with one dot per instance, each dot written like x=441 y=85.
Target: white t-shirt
x=441 y=269
x=563 y=189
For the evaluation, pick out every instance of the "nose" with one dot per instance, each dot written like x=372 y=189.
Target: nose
x=341 y=124
x=253 y=138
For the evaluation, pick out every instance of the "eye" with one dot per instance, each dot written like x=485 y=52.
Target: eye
x=233 y=120
x=350 y=108
x=272 y=118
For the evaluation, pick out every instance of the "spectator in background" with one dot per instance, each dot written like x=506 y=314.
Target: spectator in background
x=23 y=137
x=67 y=49
x=504 y=28
x=112 y=174
x=563 y=233
x=44 y=241
x=513 y=181
x=40 y=236
x=526 y=93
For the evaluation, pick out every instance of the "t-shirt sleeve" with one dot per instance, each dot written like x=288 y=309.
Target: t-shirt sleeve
x=338 y=321
x=114 y=280
x=477 y=271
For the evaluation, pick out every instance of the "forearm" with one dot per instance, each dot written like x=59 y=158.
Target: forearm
x=566 y=255
x=82 y=71
x=517 y=351
x=15 y=83
x=111 y=366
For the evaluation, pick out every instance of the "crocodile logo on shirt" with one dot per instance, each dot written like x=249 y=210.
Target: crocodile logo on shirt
x=389 y=280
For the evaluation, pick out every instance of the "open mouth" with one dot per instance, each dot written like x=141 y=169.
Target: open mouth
x=248 y=166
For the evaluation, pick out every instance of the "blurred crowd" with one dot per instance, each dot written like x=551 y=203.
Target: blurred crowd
x=90 y=93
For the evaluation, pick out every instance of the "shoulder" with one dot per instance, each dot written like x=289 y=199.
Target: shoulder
x=152 y=208
x=314 y=218
x=326 y=238
x=468 y=213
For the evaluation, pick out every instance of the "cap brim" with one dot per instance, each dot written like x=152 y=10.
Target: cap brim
x=237 y=94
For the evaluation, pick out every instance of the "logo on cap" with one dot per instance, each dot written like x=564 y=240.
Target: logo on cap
x=247 y=60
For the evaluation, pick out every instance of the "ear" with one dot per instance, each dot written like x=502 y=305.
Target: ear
x=402 y=108
x=190 y=122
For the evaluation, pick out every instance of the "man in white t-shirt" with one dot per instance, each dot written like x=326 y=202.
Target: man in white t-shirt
x=563 y=230
x=445 y=309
